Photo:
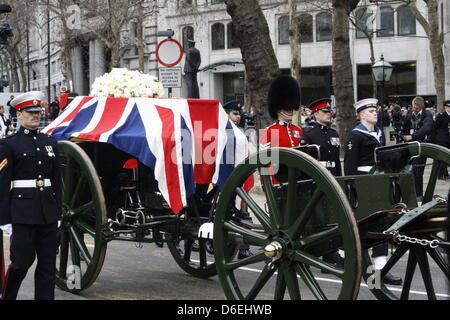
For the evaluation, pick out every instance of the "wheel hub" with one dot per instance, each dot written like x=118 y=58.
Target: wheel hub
x=274 y=250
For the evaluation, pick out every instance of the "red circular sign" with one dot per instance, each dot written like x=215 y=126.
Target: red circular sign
x=169 y=52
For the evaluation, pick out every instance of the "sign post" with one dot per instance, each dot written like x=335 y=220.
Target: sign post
x=169 y=53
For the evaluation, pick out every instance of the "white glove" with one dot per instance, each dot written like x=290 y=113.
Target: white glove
x=59 y=223
x=7 y=228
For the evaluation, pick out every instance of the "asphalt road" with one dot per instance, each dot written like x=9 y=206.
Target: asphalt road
x=131 y=273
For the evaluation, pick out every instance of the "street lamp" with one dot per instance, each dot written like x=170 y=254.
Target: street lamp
x=382 y=72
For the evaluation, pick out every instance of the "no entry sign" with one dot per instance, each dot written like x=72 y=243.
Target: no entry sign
x=169 y=52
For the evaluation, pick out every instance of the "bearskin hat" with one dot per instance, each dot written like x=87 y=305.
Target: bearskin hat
x=284 y=94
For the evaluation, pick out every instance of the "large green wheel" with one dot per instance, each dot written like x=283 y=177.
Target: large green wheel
x=81 y=249
x=294 y=226
x=417 y=256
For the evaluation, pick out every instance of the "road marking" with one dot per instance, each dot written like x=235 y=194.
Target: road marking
x=362 y=284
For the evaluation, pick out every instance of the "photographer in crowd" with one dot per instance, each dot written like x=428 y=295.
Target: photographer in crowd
x=418 y=126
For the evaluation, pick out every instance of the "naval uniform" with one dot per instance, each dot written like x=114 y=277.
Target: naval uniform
x=359 y=150
x=328 y=141
x=30 y=200
x=360 y=158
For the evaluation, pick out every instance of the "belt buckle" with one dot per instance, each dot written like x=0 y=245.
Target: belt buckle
x=40 y=183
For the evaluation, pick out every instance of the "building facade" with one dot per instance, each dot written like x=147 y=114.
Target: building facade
x=396 y=34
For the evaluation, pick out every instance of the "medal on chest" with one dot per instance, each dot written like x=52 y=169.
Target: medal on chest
x=50 y=151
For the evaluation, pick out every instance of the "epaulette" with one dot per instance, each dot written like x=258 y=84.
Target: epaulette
x=307 y=128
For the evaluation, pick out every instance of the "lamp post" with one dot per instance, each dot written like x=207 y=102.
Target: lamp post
x=382 y=72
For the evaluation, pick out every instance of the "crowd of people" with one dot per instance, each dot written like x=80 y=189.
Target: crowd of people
x=378 y=126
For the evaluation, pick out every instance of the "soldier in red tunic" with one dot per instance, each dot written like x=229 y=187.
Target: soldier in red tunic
x=283 y=99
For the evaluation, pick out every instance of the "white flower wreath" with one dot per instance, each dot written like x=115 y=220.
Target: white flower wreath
x=124 y=83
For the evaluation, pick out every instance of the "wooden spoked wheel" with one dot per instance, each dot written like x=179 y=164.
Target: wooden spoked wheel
x=418 y=257
x=193 y=254
x=81 y=248
x=294 y=225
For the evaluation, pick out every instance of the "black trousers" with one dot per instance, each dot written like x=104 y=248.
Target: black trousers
x=27 y=242
x=380 y=250
x=418 y=170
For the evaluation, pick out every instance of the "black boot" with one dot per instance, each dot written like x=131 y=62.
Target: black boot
x=389 y=278
x=333 y=258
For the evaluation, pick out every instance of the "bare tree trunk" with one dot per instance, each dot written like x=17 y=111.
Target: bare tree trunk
x=261 y=65
x=295 y=50
x=14 y=74
x=342 y=66
x=21 y=67
x=140 y=35
x=436 y=44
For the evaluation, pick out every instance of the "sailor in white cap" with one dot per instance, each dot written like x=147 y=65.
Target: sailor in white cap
x=30 y=199
x=359 y=159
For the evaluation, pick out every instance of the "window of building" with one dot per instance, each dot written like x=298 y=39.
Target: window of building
x=188 y=34
x=324 y=26
x=364 y=22
x=233 y=86
x=283 y=30
x=305 y=28
x=186 y=3
x=316 y=83
x=216 y=1
x=386 y=28
x=403 y=80
x=218 y=36
x=406 y=21
x=231 y=39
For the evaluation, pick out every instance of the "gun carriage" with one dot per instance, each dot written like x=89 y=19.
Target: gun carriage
x=110 y=194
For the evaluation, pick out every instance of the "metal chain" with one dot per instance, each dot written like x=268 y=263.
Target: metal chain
x=398 y=238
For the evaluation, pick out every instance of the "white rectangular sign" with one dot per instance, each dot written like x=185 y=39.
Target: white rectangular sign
x=170 y=77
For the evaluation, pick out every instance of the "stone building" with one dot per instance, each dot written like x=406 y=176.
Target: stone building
x=397 y=35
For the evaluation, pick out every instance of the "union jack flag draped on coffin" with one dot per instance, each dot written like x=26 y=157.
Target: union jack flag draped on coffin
x=184 y=141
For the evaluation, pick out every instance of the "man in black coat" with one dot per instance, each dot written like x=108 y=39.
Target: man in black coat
x=30 y=199
x=321 y=134
x=441 y=135
x=418 y=126
x=324 y=136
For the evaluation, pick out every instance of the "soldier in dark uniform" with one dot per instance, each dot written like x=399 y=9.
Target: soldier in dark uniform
x=324 y=136
x=418 y=126
x=30 y=199
x=441 y=136
x=359 y=159
x=234 y=110
x=327 y=139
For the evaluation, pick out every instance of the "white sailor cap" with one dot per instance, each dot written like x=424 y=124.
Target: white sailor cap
x=366 y=103
x=31 y=101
